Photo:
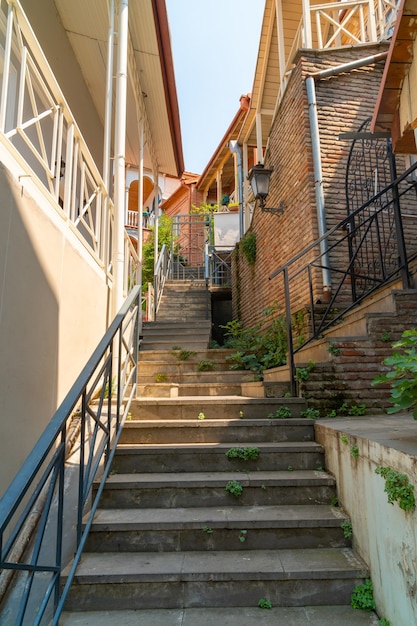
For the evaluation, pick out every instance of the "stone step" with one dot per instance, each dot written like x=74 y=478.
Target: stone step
x=214 y=431
x=227 y=528
x=219 y=356
x=203 y=457
x=224 y=407
x=176 y=390
x=191 y=489
x=189 y=375
x=175 y=579
x=168 y=343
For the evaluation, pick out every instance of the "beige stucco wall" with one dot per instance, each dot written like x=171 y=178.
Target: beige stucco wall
x=383 y=534
x=53 y=311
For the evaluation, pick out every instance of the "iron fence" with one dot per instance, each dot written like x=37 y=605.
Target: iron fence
x=46 y=513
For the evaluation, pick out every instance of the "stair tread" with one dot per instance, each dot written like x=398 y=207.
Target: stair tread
x=276 y=516
x=213 y=479
x=218 y=423
x=317 y=563
x=220 y=448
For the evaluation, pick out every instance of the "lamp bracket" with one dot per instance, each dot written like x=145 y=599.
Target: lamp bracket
x=276 y=211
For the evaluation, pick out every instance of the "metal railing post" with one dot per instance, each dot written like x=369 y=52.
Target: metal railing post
x=290 y=343
x=402 y=253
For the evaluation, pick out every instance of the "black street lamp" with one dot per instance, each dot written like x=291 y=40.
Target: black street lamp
x=259 y=178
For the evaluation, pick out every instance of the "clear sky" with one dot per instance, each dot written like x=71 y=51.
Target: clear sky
x=215 y=45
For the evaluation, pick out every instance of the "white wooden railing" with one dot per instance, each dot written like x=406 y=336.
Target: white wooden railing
x=38 y=128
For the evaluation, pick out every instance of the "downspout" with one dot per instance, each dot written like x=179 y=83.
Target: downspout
x=315 y=142
x=109 y=98
x=120 y=156
x=140 y=202
x=235 y=148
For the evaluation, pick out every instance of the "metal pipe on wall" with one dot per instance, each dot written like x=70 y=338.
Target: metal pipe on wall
x=120 y=156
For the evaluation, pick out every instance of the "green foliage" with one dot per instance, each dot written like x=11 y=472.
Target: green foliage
x=201 y=416
x=208 y=530
x=354 y=452
x=161 y=377
x=242 y=536
x=331 y=348
x=264 y=604
x=347 y=529
x=181 y=355
x=206 y=366
x=204 y=208
x=259 y=347
x=334 y=501
x=384 y=622
x=363 y=596
x=235 y=488
x=357 y=409
x=245 y=454
x=282 y=413
x=290 y=468
x=385 y=336
x=403 y=373
x=248 y=246
x=344 y=439
x=302 y=373
x=164 y=237
x=398 y=488
x=310 y=413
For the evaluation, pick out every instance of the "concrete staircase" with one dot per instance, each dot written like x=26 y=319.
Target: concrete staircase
x=184 y=316
x=173 y=531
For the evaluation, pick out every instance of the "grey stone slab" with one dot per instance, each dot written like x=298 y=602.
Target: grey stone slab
x=259 y=564
x=242 y=616
x=320 y=562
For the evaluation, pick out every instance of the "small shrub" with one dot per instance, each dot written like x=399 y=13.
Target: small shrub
x=354 y=452
x=235 y=488
x=357 y=410
x=208 y=530
x=403 y=374
x=244 y=454
x=282 y=413
x=385 y=336
x=201 y=416
x=302 y=373
x=398 y=488
x=344 y=439
x=161 y=377
x=264 y=604
x=182 y=355
x=363 y=597
x=206 y=366
x=347 y=529
x=310 y=413
x=242 y=536
x=331 y=348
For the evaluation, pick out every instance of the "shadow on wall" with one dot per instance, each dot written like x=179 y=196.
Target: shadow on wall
x=28 y=329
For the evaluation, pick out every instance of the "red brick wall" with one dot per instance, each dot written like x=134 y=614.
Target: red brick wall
x=344 y=102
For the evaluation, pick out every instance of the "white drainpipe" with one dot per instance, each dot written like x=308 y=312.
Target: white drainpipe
x=315 y=141
x=109 y=99
x=235 y=148
x=120 y=157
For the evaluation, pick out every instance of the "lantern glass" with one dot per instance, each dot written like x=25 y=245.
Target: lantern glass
x=259 y=179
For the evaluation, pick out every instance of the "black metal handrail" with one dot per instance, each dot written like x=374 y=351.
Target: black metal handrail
x=377 y=246
x=47 y=512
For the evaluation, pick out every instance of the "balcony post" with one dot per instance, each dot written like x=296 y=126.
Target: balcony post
x=307 y=37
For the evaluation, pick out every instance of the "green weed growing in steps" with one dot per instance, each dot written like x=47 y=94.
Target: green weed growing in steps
x=206 y=366
x=244 y=454
x=282 y=413
x=398 y=488
x=302 y=373
x=363 y=597
x=264 y=604
x=242 y=536
x=182 y=355
x=403 y=373
x=347 y=529
x=310 y=413
x=161 y=377
x=354 y=452
x=235 y=488
x=208 y=530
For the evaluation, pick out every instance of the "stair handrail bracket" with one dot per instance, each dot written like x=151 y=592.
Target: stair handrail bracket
x=54 y=488
x=385 y=225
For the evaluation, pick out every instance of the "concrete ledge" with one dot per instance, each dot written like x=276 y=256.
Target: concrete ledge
x=383 y=534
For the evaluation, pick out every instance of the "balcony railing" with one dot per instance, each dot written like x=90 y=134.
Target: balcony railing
x=39 y=130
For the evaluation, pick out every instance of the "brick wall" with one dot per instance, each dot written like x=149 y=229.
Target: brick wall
x=344 y=102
